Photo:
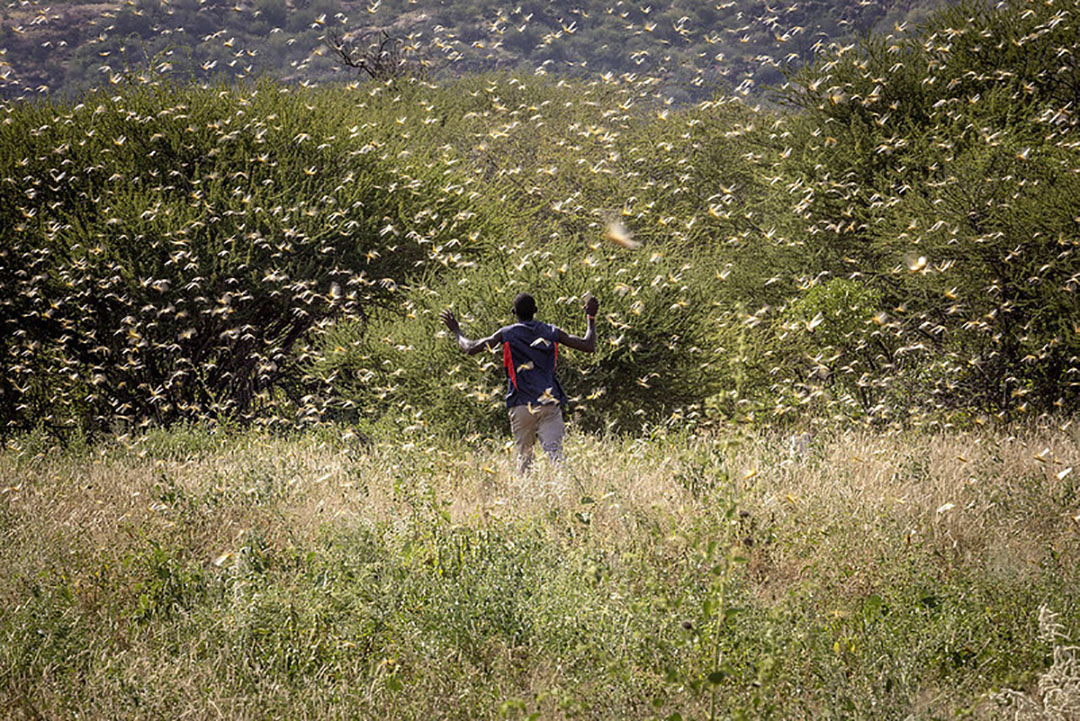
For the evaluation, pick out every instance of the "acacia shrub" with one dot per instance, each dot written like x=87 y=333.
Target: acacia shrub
x=655 y=341
x=165 y=252
x=941 y=168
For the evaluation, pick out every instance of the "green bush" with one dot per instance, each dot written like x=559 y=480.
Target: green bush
x=166 y=251
x=902 y=244
x=654 y=334
x=935 y=166
x=830 y=339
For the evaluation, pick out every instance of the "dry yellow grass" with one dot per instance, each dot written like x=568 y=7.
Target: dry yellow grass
x=960 y=494
x=824 y=523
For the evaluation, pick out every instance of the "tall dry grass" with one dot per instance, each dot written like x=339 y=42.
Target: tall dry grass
x=826 y=522
x=1005 y=495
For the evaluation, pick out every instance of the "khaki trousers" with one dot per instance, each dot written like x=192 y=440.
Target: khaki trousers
x=530 y=421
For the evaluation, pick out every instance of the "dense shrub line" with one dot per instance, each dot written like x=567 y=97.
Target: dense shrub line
x=899 y=246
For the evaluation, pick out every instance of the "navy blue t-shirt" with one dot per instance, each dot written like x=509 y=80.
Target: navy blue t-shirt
x=530 y=352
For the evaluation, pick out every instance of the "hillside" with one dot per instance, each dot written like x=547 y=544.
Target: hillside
x=688 y=50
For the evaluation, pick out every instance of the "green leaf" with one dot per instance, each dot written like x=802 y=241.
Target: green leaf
x=872 y=606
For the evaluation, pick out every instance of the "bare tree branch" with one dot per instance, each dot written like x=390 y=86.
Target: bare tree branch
x=377 y=54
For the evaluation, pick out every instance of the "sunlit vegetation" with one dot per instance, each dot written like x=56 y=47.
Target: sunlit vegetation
x=900 y=247
x=680 y=575
x=821 y=463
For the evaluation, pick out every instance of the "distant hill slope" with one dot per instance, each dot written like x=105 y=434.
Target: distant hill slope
x=685 y=50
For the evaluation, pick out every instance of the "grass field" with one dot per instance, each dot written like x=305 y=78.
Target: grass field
x=192 y=574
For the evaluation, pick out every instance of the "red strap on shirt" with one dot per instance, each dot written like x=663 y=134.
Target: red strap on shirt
x=508 y=361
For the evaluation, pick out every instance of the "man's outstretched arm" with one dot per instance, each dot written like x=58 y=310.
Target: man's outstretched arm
x=472 y=347
x=588 y=342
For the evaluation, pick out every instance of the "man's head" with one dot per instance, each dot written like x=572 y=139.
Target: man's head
x=524 y=306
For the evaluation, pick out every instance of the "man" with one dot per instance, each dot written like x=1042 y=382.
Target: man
x=533 y=394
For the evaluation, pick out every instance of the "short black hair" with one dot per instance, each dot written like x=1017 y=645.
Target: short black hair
x=524 y=306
